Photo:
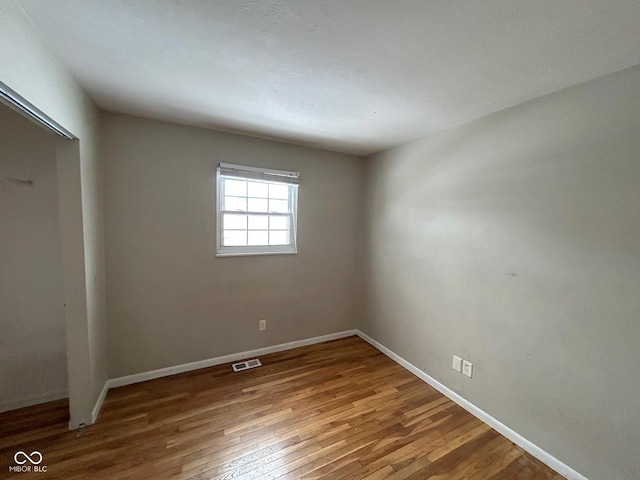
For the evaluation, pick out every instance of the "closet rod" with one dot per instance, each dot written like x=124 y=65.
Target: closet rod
x=17 y=180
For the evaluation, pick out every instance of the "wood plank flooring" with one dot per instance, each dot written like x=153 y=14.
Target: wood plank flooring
x=336 y=410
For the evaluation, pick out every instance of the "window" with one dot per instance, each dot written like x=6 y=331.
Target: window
x=257 y=210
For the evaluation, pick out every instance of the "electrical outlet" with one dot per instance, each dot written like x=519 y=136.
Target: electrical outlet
x=467 y=368
x=457 y=364
x=263 y=324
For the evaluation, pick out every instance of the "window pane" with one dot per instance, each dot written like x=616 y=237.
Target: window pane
x=258 y=237
x=258 y=222
x=258 y=205
x=278 y=238
x=255 y=216
x=235 y=203
x=235 y=222
x=236 y=188
x=258 y=189
x=234 y=238
x=278 y=191
x=279 y=206
x=276 y=222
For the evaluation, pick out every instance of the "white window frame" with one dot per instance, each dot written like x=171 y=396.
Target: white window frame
x=266 y=175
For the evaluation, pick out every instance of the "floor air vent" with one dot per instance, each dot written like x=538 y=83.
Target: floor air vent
x=238 y=367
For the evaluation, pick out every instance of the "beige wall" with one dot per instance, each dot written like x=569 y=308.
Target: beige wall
x=33 y=363
x=513 y=242
x=170 y=299
x=28 y=66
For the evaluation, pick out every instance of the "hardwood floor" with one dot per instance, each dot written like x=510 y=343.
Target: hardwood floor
x=334 y=410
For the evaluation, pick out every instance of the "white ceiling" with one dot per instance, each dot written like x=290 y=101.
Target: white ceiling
x=356 y=76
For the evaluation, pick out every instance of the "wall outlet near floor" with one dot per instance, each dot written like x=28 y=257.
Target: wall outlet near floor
x=263 y=325
x=467 y=368
x=457 y=364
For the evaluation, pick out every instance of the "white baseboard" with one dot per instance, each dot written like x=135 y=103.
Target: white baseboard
x=15 y=403
x=211 y=362
x=516 y=438
x=98 y=405
x=545 y=457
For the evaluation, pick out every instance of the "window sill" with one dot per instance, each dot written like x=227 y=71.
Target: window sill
x=252 y=254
